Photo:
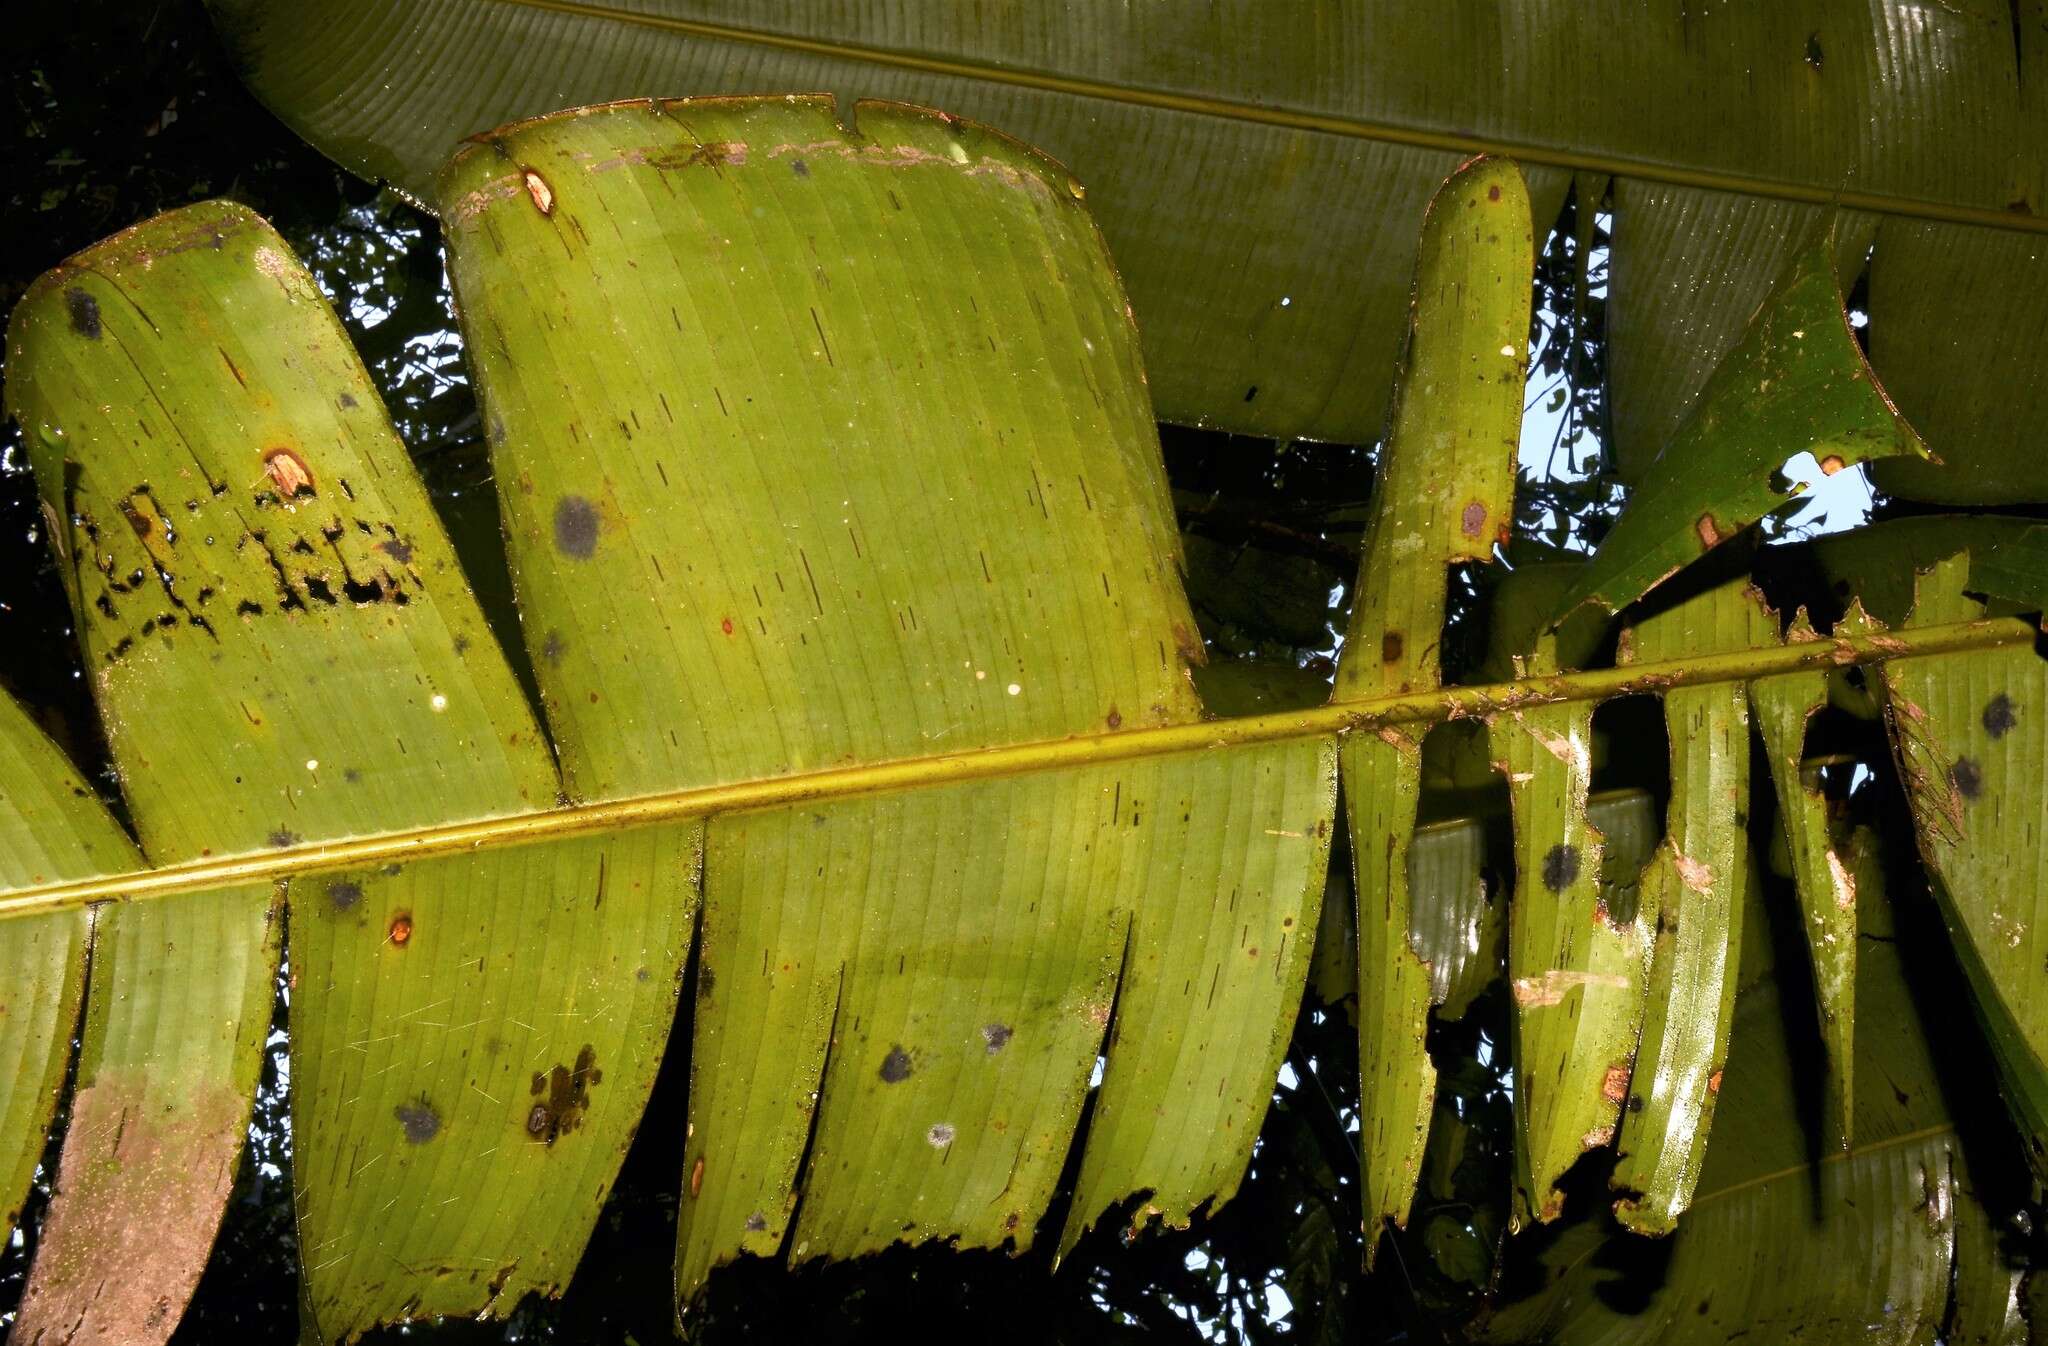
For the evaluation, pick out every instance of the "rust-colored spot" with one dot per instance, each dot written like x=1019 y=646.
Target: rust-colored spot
x=1709 y=531
x=1473 y=520
x=289 y=473
x=1832 y=464
x=401 y=928
x=1390 y=647
x=542 y=194
x=1189 y=644
x=697 y=1177
x=1614 y=1087
x=1714 y=1083
x=726 y=626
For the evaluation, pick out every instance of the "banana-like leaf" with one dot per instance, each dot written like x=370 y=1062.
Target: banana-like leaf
x=1853 y=1247
x=1578 y=967
x=1461 y=916
x=2015 y=569
x=283 y=647
x=1445 y=494
x=1338 y=124
x=823 y=444
x=1826 y=883
x=1970 y=732
x=51 y=827
x=1695 y=892
x=1796 y=383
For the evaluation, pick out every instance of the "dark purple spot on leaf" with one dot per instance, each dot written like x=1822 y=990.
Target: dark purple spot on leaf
x=1967 y=777
x=896 y=1066
x=757 y=1222
x=343 y=895
x=420 y=1120
x=85 y=312
x=2000 y=715
x=997 y=1036
x=576 y=527
x=1561 y=867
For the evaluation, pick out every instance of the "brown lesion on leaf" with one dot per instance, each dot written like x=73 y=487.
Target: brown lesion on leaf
x=1710 y=531
x=1614 y=1086
x=538 y=191
x=142 y=1183
x=293 y=478
x=563 y=1097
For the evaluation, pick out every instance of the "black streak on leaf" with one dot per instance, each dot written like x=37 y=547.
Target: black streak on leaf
x=1561 y=867
x=896 y=1066
x=576 y=527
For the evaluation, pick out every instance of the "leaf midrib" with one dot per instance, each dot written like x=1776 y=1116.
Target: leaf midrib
x=1327 y=721
x=1300 y=119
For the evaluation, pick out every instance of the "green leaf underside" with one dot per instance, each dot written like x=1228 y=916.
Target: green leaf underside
x=1854 y=1248
x=283 y=647
x=1694 y=894
x=959 y=535
x=1970 y=733
x=1577 y=967
x=1251 y=322
x=50 y=827
x=1795 y=383
x=2015 y=570
x=1821 y=874
x=1445 y=494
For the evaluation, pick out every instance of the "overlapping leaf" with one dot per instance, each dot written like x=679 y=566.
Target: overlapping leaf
x=1445 y=495
x=1226 y=146
x=283 y=647
x=958 y=534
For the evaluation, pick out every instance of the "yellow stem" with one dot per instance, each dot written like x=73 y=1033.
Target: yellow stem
x=1339 y=717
